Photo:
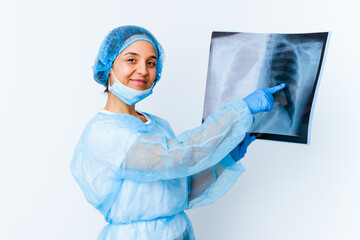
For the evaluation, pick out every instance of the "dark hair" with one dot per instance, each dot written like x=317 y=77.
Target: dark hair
x=107 y=85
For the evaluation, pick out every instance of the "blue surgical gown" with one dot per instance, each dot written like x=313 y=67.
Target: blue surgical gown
x=142 y=177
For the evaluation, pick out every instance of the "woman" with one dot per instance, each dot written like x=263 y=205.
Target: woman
x=132 y=167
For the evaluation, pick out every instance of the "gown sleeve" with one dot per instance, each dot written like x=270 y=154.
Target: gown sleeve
x=146 y=156
x=153 y=156
x=211 y=184
x=97 y=179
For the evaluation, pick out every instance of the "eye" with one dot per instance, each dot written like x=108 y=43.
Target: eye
x=131 y=60
x=152 y=64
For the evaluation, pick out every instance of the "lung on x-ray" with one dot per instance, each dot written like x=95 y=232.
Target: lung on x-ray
x=240 y=63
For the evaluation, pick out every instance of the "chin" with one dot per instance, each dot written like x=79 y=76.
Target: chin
x=139 y=88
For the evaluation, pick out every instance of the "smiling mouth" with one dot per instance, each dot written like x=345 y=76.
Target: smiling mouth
x=139 y=82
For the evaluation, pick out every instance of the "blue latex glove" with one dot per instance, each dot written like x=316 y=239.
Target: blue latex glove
x=239 y=151
x=262 y=100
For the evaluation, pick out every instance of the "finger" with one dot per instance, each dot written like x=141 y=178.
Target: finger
x=276 y=88
x=243 y=149
x=247 y=134
x=247 y=140
x=250 y=140
x=269 y=96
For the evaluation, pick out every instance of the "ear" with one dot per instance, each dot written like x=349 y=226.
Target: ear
x=110 y=79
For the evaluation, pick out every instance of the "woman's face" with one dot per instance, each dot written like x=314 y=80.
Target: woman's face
x=135 y=67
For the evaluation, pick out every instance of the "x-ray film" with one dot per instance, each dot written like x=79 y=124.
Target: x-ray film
x=240 y=63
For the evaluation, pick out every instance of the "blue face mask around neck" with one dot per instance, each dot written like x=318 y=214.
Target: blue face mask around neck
x=126 y=94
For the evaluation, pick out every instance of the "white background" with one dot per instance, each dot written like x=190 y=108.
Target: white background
x=289 y=191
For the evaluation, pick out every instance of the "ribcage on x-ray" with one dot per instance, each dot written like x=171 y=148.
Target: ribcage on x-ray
x=284 y=69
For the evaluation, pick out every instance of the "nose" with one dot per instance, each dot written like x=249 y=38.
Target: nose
x=142 y=68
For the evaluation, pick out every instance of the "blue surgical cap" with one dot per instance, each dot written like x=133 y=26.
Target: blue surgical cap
x=116 y=41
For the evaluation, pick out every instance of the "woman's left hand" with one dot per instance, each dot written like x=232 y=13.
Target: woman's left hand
x=240 y=150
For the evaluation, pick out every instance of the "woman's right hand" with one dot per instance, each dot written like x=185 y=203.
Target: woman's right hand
x=262 y=100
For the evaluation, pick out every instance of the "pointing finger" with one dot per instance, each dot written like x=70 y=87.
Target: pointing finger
x=276 y=88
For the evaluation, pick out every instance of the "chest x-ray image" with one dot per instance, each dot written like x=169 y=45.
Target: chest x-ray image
x=240 y=63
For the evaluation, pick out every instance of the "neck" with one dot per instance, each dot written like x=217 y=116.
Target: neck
x=115 y=105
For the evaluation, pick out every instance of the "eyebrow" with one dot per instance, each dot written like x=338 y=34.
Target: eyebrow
x=133 y=53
